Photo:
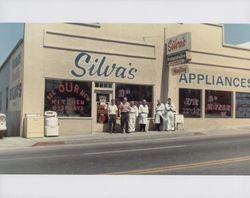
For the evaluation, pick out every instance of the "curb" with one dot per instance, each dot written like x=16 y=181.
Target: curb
x=52 y=143
x=102 y=139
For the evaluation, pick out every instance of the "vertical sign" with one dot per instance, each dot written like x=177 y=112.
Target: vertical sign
x=15 y=84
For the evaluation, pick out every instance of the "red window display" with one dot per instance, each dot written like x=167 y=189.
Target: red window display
x=68 y=98
x=218 y=104
x=190 y=103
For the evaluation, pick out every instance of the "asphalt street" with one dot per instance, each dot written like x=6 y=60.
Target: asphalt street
x=196 y=155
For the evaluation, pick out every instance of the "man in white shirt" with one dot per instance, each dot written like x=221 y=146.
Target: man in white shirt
x=132 y=115
x=158 y=113
x=143 y=115
x=124 y=109
x=169 y=113
x=112 y=111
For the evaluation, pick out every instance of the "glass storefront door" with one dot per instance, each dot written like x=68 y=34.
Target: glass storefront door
x=102 y=102
x=103 y=99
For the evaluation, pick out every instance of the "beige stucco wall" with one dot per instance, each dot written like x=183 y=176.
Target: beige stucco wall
x=210 y=57
x=216 y=72
x=51 y=49
x=206 y=38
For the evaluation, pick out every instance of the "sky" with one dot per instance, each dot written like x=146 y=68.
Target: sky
x=237 y=33
x=10 y=33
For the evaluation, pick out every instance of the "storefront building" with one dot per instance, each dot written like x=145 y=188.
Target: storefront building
x=76 y=69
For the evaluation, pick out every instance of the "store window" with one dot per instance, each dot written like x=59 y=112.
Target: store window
x=68 y=98
x=218 y=104
x=190 y=103
x=135 y=93
x=242 y=105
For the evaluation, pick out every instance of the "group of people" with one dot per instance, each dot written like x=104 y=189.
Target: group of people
x=163 y=115
x=128 y=115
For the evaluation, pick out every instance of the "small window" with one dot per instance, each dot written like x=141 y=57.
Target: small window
x=103 y=85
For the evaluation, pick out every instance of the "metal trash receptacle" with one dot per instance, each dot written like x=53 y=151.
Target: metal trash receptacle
x=3 y=126
x=33 y=125
x=51 y=124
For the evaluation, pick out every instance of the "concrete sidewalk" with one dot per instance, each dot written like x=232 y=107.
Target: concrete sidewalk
x=20 y=142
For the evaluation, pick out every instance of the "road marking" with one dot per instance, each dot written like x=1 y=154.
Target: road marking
x=182 y=166
x=134 y=150
x=92 y=153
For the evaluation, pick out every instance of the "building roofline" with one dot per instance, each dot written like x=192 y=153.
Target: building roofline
x=235 y=47
x=11 y=53
x=214 y=24
x=223 y=38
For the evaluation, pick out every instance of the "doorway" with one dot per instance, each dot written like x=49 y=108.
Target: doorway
x=102 y=101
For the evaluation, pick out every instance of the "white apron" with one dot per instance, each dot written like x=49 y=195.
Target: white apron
x=159 y=111
x=143 y=112
x=169 y=115
x=132 y=114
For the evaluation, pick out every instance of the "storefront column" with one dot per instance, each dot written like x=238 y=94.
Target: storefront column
x=234 y=105
x=113 y=88
x=93 y=104
x=203 y=107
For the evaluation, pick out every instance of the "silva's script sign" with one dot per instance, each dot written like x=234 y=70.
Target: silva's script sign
x=179 y=43
x=85 y=64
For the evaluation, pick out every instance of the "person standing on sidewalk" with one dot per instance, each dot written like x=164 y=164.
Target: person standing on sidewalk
x=124 y=109
x=112 y=112
x=133 y=114
x=170 y=111
x=143 y=115
x=158 y=113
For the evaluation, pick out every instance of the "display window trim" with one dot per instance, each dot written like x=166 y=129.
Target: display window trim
x=150 y=115
x=232 y=104
x=201 y=102
x=89 y=90
x=236 y=105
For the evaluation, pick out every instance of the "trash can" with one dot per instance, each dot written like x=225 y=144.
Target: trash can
x=33 y=125
x=179 y=119
x=3 y=126
x=51 y=124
